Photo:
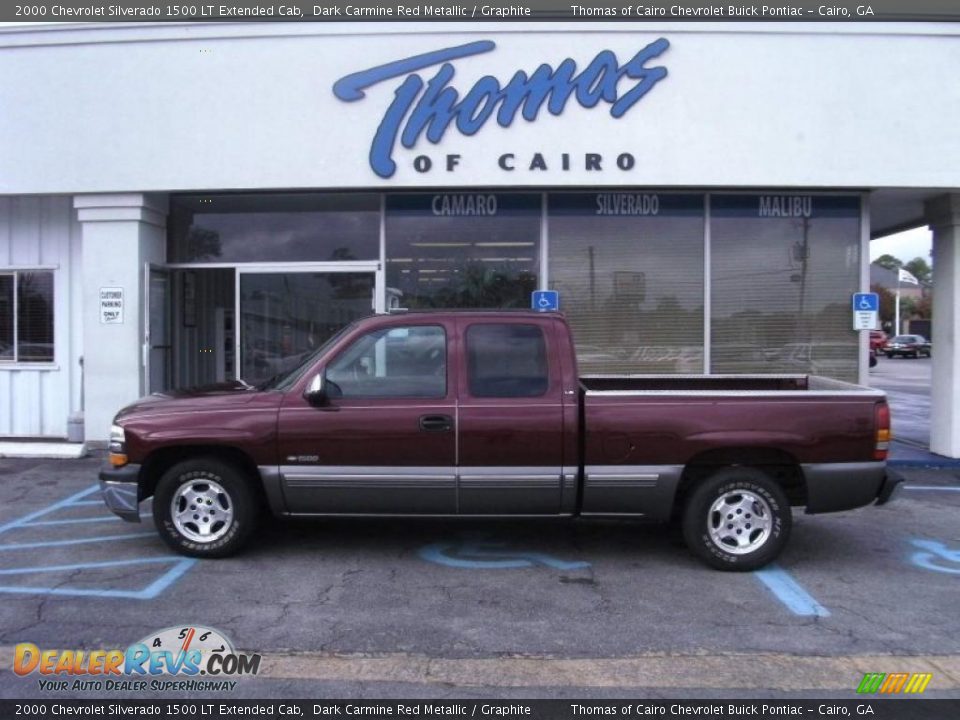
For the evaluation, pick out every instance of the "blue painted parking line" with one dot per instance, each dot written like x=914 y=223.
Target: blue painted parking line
x=82 y=566
x=790 y=592
x=78 y=541
x=73 y=521
x=931 y=487
x=49 y=509
x=151 y=591
x=37 y=521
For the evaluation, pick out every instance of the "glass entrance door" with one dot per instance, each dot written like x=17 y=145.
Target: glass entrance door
x=156 y=343
x=286 y=314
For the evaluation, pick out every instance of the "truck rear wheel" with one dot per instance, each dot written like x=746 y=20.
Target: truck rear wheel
x=737 y=519
x=204 y=508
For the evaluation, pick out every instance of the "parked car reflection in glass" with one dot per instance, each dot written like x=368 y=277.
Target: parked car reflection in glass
x=740 y=359
x=831 y=359
x=878 y=340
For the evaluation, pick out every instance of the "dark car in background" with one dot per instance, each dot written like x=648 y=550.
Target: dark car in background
x=912 y=346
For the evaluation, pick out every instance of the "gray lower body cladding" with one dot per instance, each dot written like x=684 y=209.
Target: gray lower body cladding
x=646 y=491
x=832 y=487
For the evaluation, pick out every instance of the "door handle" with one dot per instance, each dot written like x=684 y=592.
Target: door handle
x=436 y=423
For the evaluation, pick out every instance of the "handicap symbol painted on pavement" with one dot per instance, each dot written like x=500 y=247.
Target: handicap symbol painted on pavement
x=492 y=556
x=936 y=556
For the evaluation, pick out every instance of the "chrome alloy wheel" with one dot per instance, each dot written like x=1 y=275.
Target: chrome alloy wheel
x=202 y=511
x=739 y=522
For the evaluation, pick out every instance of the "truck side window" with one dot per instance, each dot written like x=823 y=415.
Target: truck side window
x=506 y=360
x=396 y=362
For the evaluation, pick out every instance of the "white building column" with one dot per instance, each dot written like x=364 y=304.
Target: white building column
x=121 y=233
x=943 y=215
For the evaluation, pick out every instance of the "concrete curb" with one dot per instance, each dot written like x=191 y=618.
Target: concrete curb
x=47 y=450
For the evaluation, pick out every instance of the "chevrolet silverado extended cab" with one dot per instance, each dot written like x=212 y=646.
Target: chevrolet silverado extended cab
x=480 y=413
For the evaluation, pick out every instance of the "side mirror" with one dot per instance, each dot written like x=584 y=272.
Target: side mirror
x=316 y=392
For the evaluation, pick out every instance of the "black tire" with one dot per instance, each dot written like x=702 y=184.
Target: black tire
x=730 y=483
x=237 y=499
x=889 y=356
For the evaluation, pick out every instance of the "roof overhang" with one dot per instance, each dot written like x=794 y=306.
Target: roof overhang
x=894 y=210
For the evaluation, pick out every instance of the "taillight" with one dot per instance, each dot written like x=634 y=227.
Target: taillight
x=881 y=419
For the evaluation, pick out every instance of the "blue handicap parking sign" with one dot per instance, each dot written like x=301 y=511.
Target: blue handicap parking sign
x=866 y=302
x=545 y=300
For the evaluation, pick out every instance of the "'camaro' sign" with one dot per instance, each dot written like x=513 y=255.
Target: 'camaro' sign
x=429 y=107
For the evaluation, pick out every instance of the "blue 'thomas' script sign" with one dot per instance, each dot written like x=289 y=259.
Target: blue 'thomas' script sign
x=429 y=107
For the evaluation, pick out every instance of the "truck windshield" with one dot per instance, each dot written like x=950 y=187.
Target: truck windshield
x=283 y=381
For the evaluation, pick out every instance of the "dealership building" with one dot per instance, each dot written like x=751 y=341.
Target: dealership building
x=191 y=203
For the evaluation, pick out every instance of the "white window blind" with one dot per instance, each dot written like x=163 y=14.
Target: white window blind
x=784 y=268
x=629 y=270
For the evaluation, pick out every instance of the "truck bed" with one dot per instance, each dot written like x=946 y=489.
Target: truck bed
x=641 y=431
x=726 y=384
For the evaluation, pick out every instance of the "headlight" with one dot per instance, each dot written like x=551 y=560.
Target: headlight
x=118 y=446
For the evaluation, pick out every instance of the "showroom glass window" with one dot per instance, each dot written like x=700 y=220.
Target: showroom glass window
x=462 y=250
x=306 y=227
x=26 y=316
x=286 y=316
x=629 y=270
x=784 y=270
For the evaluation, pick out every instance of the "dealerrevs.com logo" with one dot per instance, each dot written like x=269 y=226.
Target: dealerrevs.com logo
x=190 y=658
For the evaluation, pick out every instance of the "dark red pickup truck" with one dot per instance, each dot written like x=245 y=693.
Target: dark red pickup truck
x=484 y=414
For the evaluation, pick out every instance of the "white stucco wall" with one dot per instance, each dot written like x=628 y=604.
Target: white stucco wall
x=224 y=106
x=36 y=398
x=131 y=109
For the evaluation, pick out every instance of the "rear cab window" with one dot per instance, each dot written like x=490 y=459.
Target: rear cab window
x=507 y=360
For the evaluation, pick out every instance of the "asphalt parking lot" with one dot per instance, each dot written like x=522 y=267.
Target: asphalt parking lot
x=372 y=608
x=368 y=608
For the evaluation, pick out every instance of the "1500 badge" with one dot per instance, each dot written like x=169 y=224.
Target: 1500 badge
x=428 y=108
x=303 y=458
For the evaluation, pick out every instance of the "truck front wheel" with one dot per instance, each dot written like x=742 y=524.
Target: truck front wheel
x=737 y=519
x=204 y=508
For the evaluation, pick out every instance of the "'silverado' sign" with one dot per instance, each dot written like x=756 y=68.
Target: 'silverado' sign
x=429 y=107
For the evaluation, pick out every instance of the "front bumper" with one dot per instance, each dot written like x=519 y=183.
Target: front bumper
x=120 y=488
x=890 y=487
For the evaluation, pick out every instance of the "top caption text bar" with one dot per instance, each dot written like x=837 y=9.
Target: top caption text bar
x=452 y=10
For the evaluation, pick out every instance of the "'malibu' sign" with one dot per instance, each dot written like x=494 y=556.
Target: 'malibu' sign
x=429 y=107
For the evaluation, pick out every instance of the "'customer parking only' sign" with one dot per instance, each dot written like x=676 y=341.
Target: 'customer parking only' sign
x=111 y=305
